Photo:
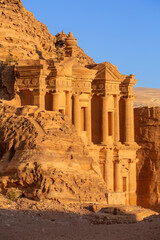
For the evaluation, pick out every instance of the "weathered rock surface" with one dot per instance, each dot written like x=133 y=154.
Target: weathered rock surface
x=23 y=37
x=40 y=152
x=60 y=45
x=43 y=157
x=7 y=80
x=147 y=135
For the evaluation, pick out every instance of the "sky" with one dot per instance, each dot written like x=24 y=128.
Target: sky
x=123 y=32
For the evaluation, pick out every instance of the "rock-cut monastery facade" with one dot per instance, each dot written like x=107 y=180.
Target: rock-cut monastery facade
x=98 y=100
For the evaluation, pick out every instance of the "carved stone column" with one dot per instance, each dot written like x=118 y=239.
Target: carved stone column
x=39 y=99
x=77 y=113
x=68 y=111
x=116 y=118
x=42 y=99
x=109 y=170
x=55 y=101
x=42 y=88
x=132 y=119
x=117 y=176
x=88 y=121
x=105 y=120
x=132 y=183
x=127 y=120
x=36 y=98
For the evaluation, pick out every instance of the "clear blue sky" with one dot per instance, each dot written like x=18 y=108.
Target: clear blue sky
x=123 y=32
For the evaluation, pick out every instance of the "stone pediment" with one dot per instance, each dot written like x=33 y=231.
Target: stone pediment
x=101 y=74
x=108 y=71
x=100 y=71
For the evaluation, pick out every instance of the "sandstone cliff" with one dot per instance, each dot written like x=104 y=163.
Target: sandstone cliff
x=23 y=37
x=43 y=157
x=147 y=135
x=7 y=80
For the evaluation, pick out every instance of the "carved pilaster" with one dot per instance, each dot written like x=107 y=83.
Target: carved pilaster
x=127 y=120
x=132 y=118
x=55 y=101
x=105 y=119
x=68 y=111
x=132 y=183
x=77 y=113
x=116 y=118
x=88 y=121
x=117 y=176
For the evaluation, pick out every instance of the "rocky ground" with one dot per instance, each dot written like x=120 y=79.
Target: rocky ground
x=48 y=220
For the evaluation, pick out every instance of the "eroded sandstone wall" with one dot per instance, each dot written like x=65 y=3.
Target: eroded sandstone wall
x=42 y=155
x=7 y=80
x=147 y=135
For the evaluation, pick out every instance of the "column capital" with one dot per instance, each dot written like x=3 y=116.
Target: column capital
x=69 y=92
x=117 y=95
x=76 y=94
x=57 y=92
x=129 y=97
x=133 y=160
x=106 y=96
x=126 y=98
x=90 y=96
x=117 y=161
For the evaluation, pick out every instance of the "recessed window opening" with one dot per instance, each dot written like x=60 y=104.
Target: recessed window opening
x=124 y=180
x=110 y=123
x=83 y=125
